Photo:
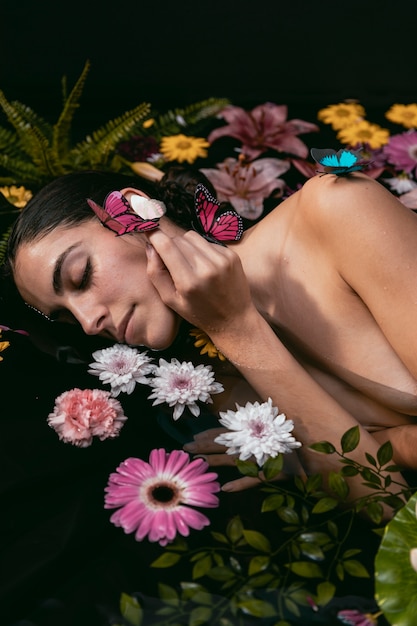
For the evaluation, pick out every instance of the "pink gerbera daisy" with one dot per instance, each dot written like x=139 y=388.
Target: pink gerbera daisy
x=154 y=499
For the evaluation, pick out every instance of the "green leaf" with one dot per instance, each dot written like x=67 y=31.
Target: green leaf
x=312 y=551
x=202 y=597
x=257 y=608
x=371 y=460
x=349 y=470
x=305 y=569
x=168 y=594
x=325 y=447
x=315 y=537
x=288 y=515
x=272 y=503
x=200 y=615
x=201 y=567
x=375 y=512
x=313 y=483
x=385 y=453
x=247 y=468
x=219 y=537
x=324 y=593
x=131 y=609
x=273 y=466
x=325 y=504
x=235 y=529
x=258 y=564
x=338 y=484
x=292 y=606
x=221 y=573
x=350 y=439
x=395 y=578
x=257 y=540
x=355 y=568
x=166 y=560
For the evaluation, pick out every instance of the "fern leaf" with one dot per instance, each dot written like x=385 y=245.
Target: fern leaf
x=96 y=148
x=21 y=172
x=31 y=137
x=9 y=142
x=3 y=243
x=61 y=130
x=194 y=115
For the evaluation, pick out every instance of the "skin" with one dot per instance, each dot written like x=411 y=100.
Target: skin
x=324 y=286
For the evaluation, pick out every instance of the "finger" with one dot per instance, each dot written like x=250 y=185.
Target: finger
x=240 y=484
x=218 y=460
x=204 y=443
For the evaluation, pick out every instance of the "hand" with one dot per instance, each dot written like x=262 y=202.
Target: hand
x=203 y=282
x=214 y=454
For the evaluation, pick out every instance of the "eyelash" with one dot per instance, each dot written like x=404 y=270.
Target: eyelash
x=87 y=279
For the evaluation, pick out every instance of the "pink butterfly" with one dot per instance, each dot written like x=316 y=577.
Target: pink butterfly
x=215 y=225
x=117 y=214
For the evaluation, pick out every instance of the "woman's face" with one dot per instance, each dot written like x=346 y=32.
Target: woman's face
x=87 y=273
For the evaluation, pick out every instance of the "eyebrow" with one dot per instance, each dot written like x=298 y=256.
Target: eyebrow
x=57 y=275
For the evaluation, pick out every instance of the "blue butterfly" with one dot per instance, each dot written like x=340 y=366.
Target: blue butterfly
x=340 y=163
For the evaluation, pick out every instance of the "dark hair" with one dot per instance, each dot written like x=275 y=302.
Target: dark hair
x=62 y=202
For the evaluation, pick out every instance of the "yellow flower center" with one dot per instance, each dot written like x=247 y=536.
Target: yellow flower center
x=183 y=145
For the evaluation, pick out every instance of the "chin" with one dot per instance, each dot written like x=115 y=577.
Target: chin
x=161 y=341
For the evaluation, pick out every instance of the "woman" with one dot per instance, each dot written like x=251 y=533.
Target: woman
x=314 y=306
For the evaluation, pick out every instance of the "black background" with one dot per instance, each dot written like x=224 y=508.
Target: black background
x=302 y=53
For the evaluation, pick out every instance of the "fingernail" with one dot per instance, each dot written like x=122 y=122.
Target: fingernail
x=227 y=487
x=190 y=447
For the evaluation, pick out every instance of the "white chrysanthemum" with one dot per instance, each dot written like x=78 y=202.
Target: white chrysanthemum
x=121 y=367
x=257 y=430
x=182 y=384
x=401 y=184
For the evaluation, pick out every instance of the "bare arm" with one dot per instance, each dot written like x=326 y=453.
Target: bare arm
x=205 y=284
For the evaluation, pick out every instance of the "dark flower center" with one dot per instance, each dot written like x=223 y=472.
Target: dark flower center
x=163 y=493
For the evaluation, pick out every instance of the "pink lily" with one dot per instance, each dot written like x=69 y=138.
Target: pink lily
x=356 y=618
x=265 y=127
x=246 y=185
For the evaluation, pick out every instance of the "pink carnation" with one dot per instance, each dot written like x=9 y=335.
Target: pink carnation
x=81 y=414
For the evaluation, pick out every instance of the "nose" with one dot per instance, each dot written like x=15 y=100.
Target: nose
x=91 y=316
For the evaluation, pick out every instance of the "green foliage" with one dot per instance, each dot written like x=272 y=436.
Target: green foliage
x=34 y=151
x=395 y=579
x=310 y=552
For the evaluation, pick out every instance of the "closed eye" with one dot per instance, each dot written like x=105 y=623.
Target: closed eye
x=87 y=277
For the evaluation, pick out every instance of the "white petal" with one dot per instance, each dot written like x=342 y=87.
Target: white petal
x=147 y=208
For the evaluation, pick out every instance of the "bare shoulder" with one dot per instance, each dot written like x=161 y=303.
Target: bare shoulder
x=355 y=204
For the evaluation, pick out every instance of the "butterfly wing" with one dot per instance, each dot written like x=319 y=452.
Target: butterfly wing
x=117 y=215
x=214 y=224
x=340 y=163
x=227 y=227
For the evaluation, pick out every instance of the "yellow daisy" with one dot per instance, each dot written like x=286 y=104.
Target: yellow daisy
x=3 y=346
x=341 y=115
x=405 y=114
x=364 y=132
x=182 y=148
x=206 y=345
x=18 y=196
